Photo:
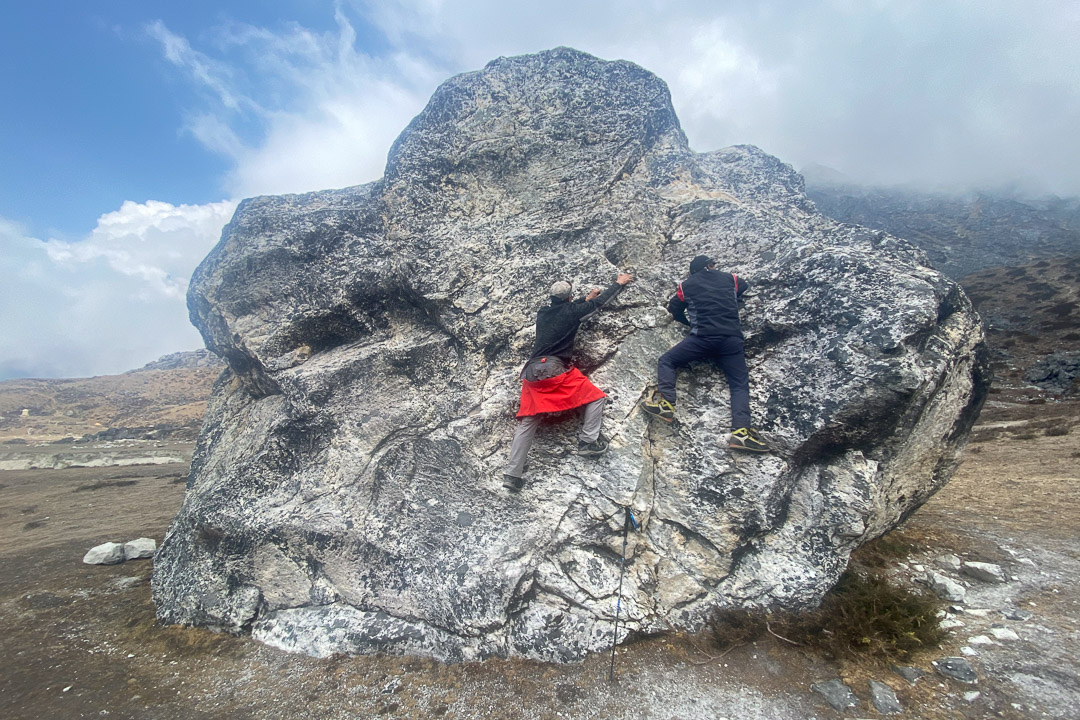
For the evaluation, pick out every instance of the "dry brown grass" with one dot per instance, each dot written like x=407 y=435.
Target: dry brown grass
x=864 y=615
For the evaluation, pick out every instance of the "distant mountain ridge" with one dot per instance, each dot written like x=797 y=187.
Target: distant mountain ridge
x=961 y=233
x=164 y=399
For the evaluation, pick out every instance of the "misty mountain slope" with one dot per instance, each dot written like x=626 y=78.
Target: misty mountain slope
x=1031 y=313
x=961 y=233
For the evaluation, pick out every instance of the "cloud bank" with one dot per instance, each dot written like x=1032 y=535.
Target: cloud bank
x=963 y=94
x=109 y=302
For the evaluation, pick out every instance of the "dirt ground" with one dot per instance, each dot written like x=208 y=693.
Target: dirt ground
x=81 y=641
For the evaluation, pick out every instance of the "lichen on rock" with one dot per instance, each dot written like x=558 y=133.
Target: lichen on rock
x=345 y=494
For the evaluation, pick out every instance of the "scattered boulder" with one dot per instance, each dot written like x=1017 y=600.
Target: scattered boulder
x=837 y=694
x=1057 y=373
x=140 y=548
x=1018 y=614
x=109 y=553
x=884 y=698
x=956 y=668
x=950 y=623
x=948 y=562
x=986 y=572
x=946 y=588
x=1003 y=633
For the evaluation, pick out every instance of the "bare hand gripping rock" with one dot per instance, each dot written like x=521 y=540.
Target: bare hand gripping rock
x=346 y=493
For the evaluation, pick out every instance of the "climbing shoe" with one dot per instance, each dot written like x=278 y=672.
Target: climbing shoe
x=660 y=408
x=747 y=439
x=513 y=483
x=598 y=446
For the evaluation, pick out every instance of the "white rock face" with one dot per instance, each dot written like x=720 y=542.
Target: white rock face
x=109 y=553
x=345 y=494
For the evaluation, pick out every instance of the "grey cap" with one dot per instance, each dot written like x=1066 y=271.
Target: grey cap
x=561 y=289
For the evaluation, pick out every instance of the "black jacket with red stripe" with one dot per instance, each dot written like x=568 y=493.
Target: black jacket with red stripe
x=711 y=299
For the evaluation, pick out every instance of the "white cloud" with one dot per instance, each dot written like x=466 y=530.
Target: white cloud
x=299 y=110
x=211 y=74
x=920 y=92
x=109 y=302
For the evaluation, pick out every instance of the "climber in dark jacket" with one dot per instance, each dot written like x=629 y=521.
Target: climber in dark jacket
x=711 y=298
x=551 y=384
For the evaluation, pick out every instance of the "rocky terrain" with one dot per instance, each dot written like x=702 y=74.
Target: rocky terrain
x=1032 y=316
x=82 y=641
x=961 y=233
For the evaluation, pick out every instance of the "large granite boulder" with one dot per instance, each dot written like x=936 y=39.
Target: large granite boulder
x=346 y=495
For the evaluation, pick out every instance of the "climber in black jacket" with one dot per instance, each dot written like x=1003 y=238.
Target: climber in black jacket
x=712 y=300
x=551 y=384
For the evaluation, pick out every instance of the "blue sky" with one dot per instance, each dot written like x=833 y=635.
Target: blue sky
x=129 y=129
x=93 y=112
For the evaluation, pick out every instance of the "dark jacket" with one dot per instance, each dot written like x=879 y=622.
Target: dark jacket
x=711 y=299
x=557 y=324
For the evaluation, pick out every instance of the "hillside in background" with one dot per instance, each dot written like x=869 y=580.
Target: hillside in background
x=165 y=399
x=962 y=233
x=1032 y=318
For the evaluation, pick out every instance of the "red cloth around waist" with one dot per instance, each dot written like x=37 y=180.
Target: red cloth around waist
x=562 y=392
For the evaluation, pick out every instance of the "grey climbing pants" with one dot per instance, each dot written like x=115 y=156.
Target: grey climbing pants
x=526 y=431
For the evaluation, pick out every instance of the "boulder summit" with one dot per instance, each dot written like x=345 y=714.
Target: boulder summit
x=346 y=495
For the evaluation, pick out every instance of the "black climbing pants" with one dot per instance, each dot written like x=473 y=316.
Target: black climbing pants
x=727 y=352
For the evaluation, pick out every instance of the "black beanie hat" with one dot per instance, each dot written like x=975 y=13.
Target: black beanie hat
x=700 y=263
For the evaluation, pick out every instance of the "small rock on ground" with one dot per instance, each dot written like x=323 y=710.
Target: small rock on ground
x=986 y=572
x=837 y=693
x=884 y=698
x=956 y=668
x=946 y=588
x=1004 y=633
x=1017 y=614
x=141 y=548
x=109 y=553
